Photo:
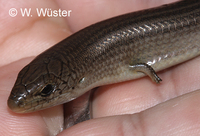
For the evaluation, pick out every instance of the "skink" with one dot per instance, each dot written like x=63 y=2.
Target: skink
x=115 y=50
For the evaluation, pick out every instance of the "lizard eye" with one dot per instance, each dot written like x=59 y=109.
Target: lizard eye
x=47 y=90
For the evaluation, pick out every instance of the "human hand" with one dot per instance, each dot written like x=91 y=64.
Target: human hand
x=135 y=107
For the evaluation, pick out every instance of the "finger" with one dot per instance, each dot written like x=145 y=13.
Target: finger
x=87 y=12
x=176 y=116
x=24 y=36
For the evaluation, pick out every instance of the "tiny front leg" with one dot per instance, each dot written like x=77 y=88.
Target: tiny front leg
x=146 y=69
